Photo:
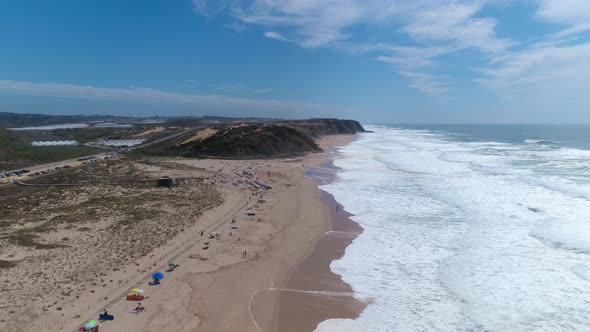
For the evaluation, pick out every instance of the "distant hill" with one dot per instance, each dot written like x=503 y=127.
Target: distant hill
x=13 y=120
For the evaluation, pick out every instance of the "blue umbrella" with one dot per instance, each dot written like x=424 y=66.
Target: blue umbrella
x=158 y=275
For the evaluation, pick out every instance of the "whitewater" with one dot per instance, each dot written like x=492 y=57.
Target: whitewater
x=465 y=235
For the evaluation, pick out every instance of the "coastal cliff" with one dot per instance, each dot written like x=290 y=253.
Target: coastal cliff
x=256 y=140
x=319 y=127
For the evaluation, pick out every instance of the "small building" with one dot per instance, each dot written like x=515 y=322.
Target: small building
x=166 y=181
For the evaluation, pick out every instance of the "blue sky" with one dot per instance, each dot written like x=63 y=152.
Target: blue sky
x=397 y=61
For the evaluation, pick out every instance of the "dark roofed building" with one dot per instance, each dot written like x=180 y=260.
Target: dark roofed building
x=166 y=181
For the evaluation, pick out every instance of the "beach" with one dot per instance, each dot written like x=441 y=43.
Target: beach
x=265 y=272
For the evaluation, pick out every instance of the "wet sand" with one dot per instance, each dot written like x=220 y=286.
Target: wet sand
x=315 y=292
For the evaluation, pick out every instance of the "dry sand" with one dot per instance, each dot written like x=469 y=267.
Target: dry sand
x=229 y=292
x=199 y=135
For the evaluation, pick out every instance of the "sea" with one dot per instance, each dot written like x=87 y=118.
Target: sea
x=467 y=228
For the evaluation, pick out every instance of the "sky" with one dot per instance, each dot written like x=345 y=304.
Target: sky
x=377 y=61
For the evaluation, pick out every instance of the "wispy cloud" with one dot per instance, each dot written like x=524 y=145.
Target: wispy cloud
x=540 y=72
x=554 y=69
x=149 y=95
x=435 y=28
x=275 y=35
x=426 y=83
x=227 y=87
x=235 y=26
x=264 y=90
x=433 y=32
x=455 y=24
x=575 y=14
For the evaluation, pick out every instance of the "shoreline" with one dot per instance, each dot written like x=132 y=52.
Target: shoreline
x=323 y=294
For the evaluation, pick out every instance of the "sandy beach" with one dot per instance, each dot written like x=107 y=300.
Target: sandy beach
x=265 y=272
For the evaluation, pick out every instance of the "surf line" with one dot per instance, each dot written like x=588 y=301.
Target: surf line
x=326 y=293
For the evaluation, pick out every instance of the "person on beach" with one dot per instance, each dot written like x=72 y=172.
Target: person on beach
x=139 y=308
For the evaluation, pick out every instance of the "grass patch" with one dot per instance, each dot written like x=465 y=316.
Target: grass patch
x=7 y=264
x=28 y=240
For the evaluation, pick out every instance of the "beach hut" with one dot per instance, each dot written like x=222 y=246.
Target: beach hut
x=166 y=181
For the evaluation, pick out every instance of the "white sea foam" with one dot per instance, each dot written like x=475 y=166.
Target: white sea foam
x=465 y=236
x=339 y=325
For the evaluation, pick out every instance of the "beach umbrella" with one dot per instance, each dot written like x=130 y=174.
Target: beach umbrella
x=134 y=290
x=90 y=324
x=158 y=275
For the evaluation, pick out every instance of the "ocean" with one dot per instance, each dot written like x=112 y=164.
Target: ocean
x=468 y=228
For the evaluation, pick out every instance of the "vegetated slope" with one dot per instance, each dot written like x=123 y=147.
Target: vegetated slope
x=9 y=144
x=251 y=141
x=16 y=152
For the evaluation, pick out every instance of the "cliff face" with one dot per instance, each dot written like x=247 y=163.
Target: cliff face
x=251 y=141
x=319 y=127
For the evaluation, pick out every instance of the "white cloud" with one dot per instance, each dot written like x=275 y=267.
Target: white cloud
x=312 y=23
x=413 y=57
x=435 y=28
x=573 y=13
x=150 y=96
x=426 y=83
x=275 y=35
x=564 y=11
x=264 y=90
x=434 y=31
x=553 y=71
x=542 y=73
x=227 y=87
x=455 y=23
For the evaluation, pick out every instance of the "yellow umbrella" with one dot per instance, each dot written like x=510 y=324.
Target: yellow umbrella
x=134 y=290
